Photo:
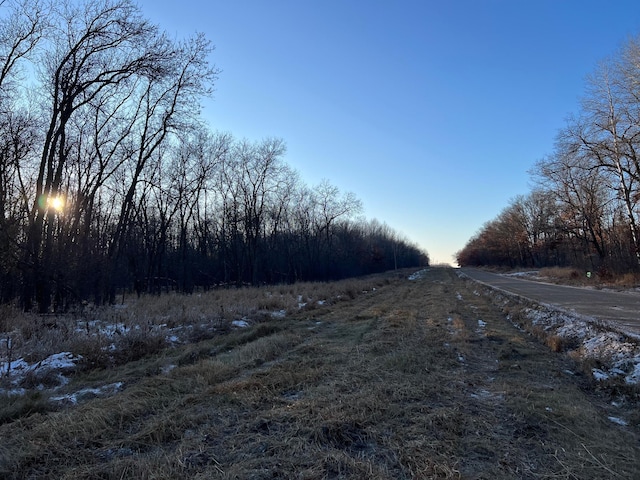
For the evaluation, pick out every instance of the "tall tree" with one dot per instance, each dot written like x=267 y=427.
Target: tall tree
x=104 y=62
x=23 y=23
x=608 y=132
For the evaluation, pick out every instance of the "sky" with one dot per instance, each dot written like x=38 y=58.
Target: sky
x=432 y=113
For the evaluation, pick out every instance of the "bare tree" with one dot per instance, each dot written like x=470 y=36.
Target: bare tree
x=22 y=26
x=261 y=178
x=608 y=134
x=332 y=205
x=584 y=195
x=166 y=104
x=116 y=88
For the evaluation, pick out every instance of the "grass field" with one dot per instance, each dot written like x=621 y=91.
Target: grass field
x=379 y=378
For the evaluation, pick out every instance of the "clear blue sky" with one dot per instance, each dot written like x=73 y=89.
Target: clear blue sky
x=431 y=112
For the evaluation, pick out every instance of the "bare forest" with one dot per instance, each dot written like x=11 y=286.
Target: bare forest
x=111 y=181
x=583 y=210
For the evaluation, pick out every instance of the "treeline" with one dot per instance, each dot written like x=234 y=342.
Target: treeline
x=583 y=211
x=109 y=179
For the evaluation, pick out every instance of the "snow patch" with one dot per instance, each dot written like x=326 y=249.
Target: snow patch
x=618 y=421
x=634 y=376
x=58 y=361
x=600 y=375
x=301 y=302
x=419 y=274
x=18 y=370
x=87 y=393
x=533 y=273
x=590 y=339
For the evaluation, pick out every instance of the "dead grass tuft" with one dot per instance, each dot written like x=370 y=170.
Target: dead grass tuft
x=627 y=280
x=562 y=273
x=18 y=406
x=137 y=345
x=555 y=343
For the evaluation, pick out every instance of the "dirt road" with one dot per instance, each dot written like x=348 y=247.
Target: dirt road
x=622 y=308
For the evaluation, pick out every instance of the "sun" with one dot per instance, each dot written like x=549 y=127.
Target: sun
x=57 y=203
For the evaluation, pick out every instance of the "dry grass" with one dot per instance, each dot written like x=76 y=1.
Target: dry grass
x=556 y=343
x=627 y=280
x=600 y=279
x=400 y=382
x=567 y=275
x=139 y=325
